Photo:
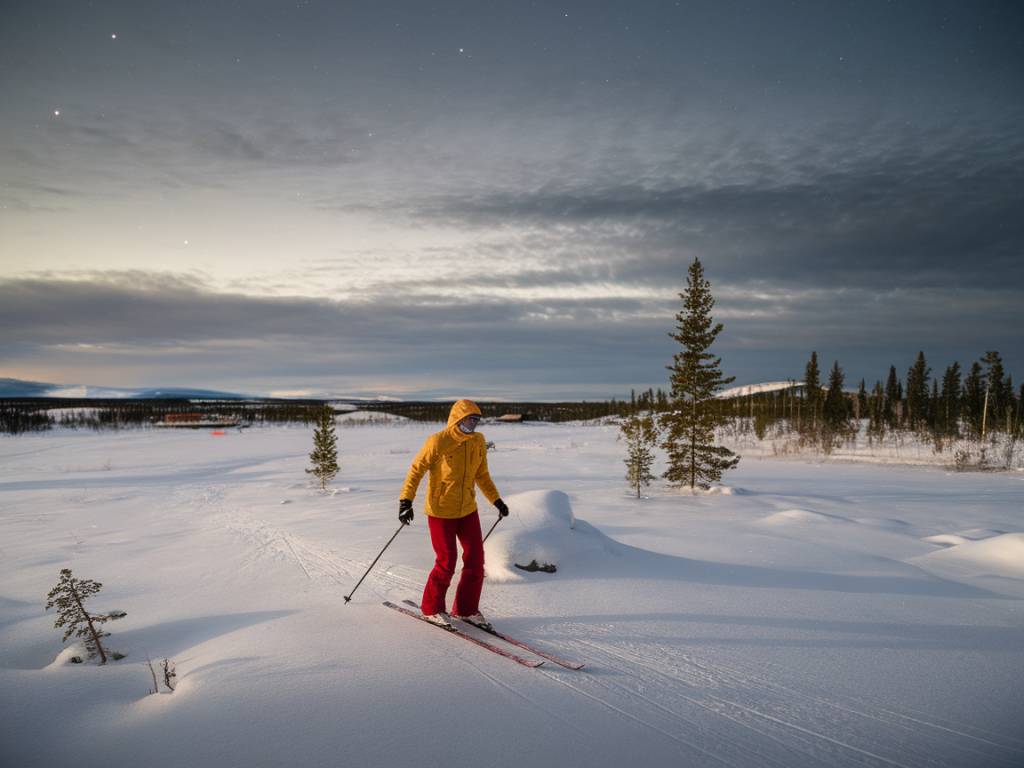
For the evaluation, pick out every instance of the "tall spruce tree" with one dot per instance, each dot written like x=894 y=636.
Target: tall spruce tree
x=973 y=399
x=893 y=398
x=812 y=388
x=325 y=448
x=917 y=392
x=998 y=397
x=949 y=407
x=689 y=425
x=641 y=436
x=834 y=412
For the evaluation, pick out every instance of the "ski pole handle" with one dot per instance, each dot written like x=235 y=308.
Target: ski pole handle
x=349 y=595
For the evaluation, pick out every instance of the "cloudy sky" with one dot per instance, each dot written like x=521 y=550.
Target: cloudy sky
x=501 y=199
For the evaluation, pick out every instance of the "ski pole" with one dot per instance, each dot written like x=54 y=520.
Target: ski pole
x=493 y=527
x=349 y=595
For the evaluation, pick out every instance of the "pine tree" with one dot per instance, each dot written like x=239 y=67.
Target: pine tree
x=834 y=412
x=917 y=391
x=812 y=387
x=69 y=597
x=689 y=426
x=949 y=408
x=325 y=448
x=995 y=380
x=641 y=436
x=893 y=398
x=974 y=399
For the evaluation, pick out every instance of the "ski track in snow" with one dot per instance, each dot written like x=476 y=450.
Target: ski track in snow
x=317 y=563
x=732 y=717
x=675 y=696
x=752 y=717
x=707 y=711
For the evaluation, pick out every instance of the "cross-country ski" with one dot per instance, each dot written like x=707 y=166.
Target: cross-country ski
x=490 y=629
x=457 y=633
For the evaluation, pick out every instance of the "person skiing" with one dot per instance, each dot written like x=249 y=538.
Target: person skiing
x=456 y=458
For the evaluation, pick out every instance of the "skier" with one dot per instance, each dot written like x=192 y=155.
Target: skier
x=456 y=458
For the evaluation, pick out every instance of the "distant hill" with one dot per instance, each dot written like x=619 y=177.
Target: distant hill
x=757 y=389
x=21 y=388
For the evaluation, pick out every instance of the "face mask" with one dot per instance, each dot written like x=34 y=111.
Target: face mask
x=467 y=427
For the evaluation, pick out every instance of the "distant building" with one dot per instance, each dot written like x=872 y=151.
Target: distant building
x=195 y=421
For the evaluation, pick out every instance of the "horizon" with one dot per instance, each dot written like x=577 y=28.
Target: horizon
x=415 y=202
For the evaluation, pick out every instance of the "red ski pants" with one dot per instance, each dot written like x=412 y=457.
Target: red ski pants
x=443 y=534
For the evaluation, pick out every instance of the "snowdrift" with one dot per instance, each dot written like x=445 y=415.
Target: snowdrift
x=542 y=527
x=1000 y=556
x=790 y=516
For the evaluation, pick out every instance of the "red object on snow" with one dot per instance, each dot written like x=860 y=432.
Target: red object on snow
x=218 y=433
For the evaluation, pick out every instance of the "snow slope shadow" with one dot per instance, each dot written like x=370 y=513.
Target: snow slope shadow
x=173 y=637
x=543 y=527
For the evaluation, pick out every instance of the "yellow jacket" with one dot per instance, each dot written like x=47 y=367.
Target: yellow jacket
x=457 y=462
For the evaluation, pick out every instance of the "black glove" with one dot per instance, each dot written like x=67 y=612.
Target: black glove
x=502 y=507
x=405 y=511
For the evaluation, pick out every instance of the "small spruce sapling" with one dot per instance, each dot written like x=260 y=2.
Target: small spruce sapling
x=325 y=448
x=69 y=597
x=641 y=436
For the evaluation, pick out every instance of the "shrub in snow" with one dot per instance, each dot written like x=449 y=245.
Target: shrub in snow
x=169 y=674
x=325 y=448
x=69 y=597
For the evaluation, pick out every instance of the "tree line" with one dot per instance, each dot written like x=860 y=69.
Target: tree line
x=34 y=414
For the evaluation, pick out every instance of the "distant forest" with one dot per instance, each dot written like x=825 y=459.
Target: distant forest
x=975 y=403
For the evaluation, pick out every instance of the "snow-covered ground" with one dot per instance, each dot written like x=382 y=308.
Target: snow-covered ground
x=813 y=614
x=999 y=452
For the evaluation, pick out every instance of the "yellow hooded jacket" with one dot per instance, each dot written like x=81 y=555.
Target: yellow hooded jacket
x=457 y=462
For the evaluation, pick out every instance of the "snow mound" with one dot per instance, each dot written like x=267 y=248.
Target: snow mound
x=541 y=526
x=996 y=556
x=790 y=516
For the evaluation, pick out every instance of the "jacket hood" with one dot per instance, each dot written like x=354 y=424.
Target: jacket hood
x=461 y=410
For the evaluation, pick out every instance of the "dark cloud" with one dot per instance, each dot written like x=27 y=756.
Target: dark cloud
x=523 y=348
x=912 y=216
x=510 y=193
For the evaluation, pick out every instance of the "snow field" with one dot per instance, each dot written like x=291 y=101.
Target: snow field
x=811 y=616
